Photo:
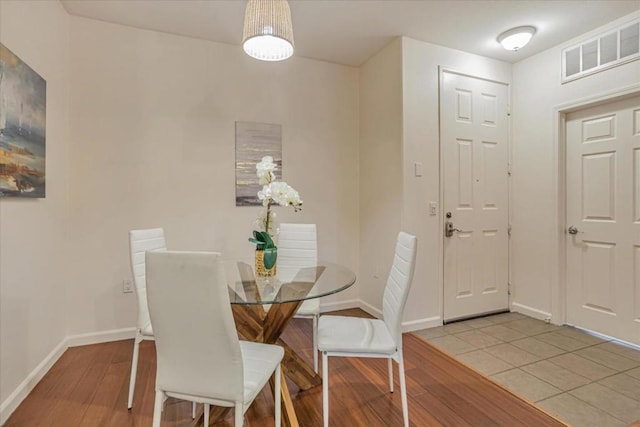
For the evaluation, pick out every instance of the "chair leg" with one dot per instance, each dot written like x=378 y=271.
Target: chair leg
x=403 y=389
x=206 y=414
x=134 y=368
x=325 y=388
x=315 y=343
x=390 y=375
x=239 y=421
x=277 y=396
x=157 y=408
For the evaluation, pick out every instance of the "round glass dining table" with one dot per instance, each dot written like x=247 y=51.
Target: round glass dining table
x=263 y=306
x=290 y=284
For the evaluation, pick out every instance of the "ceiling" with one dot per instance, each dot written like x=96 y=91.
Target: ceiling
x=350 y=31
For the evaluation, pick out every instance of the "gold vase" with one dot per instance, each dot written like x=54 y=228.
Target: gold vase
x=260 y=268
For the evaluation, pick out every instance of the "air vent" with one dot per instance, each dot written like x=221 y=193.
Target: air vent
x=602 y=52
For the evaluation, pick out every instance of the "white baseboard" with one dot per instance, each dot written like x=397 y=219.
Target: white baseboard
x=530 y=311
x=413 y=325
x=100 y=337
x=339 y=305
x=374 y=311
x=11 y=403
x=416 y=325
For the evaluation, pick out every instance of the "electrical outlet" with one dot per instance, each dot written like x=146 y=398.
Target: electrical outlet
x=127 y=286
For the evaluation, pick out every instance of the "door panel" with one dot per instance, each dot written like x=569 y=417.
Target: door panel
x=602 y=204
x=598 y=260
x=599 y=177
x=474 y=131
x=636 y=184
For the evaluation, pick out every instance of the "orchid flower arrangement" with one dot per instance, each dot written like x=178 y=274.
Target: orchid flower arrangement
x=272 y=192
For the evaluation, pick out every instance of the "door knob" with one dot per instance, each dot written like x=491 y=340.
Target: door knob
x=572 y=230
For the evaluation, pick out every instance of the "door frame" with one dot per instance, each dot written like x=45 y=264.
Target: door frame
x=441 y=70
x=558 y=241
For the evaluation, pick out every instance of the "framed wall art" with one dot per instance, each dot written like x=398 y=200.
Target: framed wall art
x=23 y=103
x=254 y=141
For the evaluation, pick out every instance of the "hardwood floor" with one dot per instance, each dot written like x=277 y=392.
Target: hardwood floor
x=88 y=386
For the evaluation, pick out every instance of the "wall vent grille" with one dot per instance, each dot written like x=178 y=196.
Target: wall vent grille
x=604 y=51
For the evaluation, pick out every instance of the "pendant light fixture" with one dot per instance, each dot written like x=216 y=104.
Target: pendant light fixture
x=516 y=38
x=268 y=32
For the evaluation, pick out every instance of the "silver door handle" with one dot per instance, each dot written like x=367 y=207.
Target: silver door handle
x=572 y=230
x=449 y=229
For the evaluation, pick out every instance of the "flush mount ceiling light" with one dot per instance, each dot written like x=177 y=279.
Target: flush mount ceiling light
x=268 y=32
x=516 y=38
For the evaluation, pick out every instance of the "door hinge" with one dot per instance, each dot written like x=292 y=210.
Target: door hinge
x=509 y=230
x=509 y=168
x=508 y=288
x=508 y=110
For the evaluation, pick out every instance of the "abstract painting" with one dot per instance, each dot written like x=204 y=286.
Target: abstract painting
x=254 y=141
x=22 y=128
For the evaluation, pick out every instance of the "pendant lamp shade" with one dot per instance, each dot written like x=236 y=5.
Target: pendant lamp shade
x=268 y=32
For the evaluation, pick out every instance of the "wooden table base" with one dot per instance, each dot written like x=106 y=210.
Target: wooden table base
x=255 y=324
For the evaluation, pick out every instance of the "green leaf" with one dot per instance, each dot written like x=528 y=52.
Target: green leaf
x=269 y=257
x=268 y=240
x=258 y=239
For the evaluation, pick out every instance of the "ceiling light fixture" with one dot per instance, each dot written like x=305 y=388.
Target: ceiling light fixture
x=516 y=38
x=268 y=31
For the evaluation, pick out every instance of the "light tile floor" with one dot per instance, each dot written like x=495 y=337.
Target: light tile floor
x=582 y=379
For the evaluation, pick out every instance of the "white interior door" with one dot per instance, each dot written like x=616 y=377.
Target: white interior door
x=603 y=213
x=474 y=149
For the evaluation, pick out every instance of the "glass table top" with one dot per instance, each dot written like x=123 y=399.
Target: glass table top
x=290 y=284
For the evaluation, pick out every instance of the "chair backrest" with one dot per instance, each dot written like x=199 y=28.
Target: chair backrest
x=398 y=284
x=297 y=248
x=297 y=245
x=141 y=241
x=198 y=350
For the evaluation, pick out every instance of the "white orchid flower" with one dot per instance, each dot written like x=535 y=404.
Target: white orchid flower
x=273 y=192
x=265 y=170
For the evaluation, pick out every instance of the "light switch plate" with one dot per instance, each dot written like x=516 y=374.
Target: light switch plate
x=433 y=208
x=417 y=168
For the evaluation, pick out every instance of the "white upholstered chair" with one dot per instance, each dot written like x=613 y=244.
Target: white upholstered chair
x=199 y=355
x=140 y=241
x=298 y=247
x=359 y=337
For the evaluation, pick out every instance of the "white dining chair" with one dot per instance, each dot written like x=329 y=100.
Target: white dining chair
x=345 y=336
x=298 y=247
x=199 y=355
x=140 y=241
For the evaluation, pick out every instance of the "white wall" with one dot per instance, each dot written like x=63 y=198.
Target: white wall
x=399 y=126
x=153 y=144
x=536 y=92
x=141 y=133
x=420 y=62
x=380 y=170
x=34 y=233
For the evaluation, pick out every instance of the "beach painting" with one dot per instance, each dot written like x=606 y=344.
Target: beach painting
x=254 y=141
x=23 y=103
